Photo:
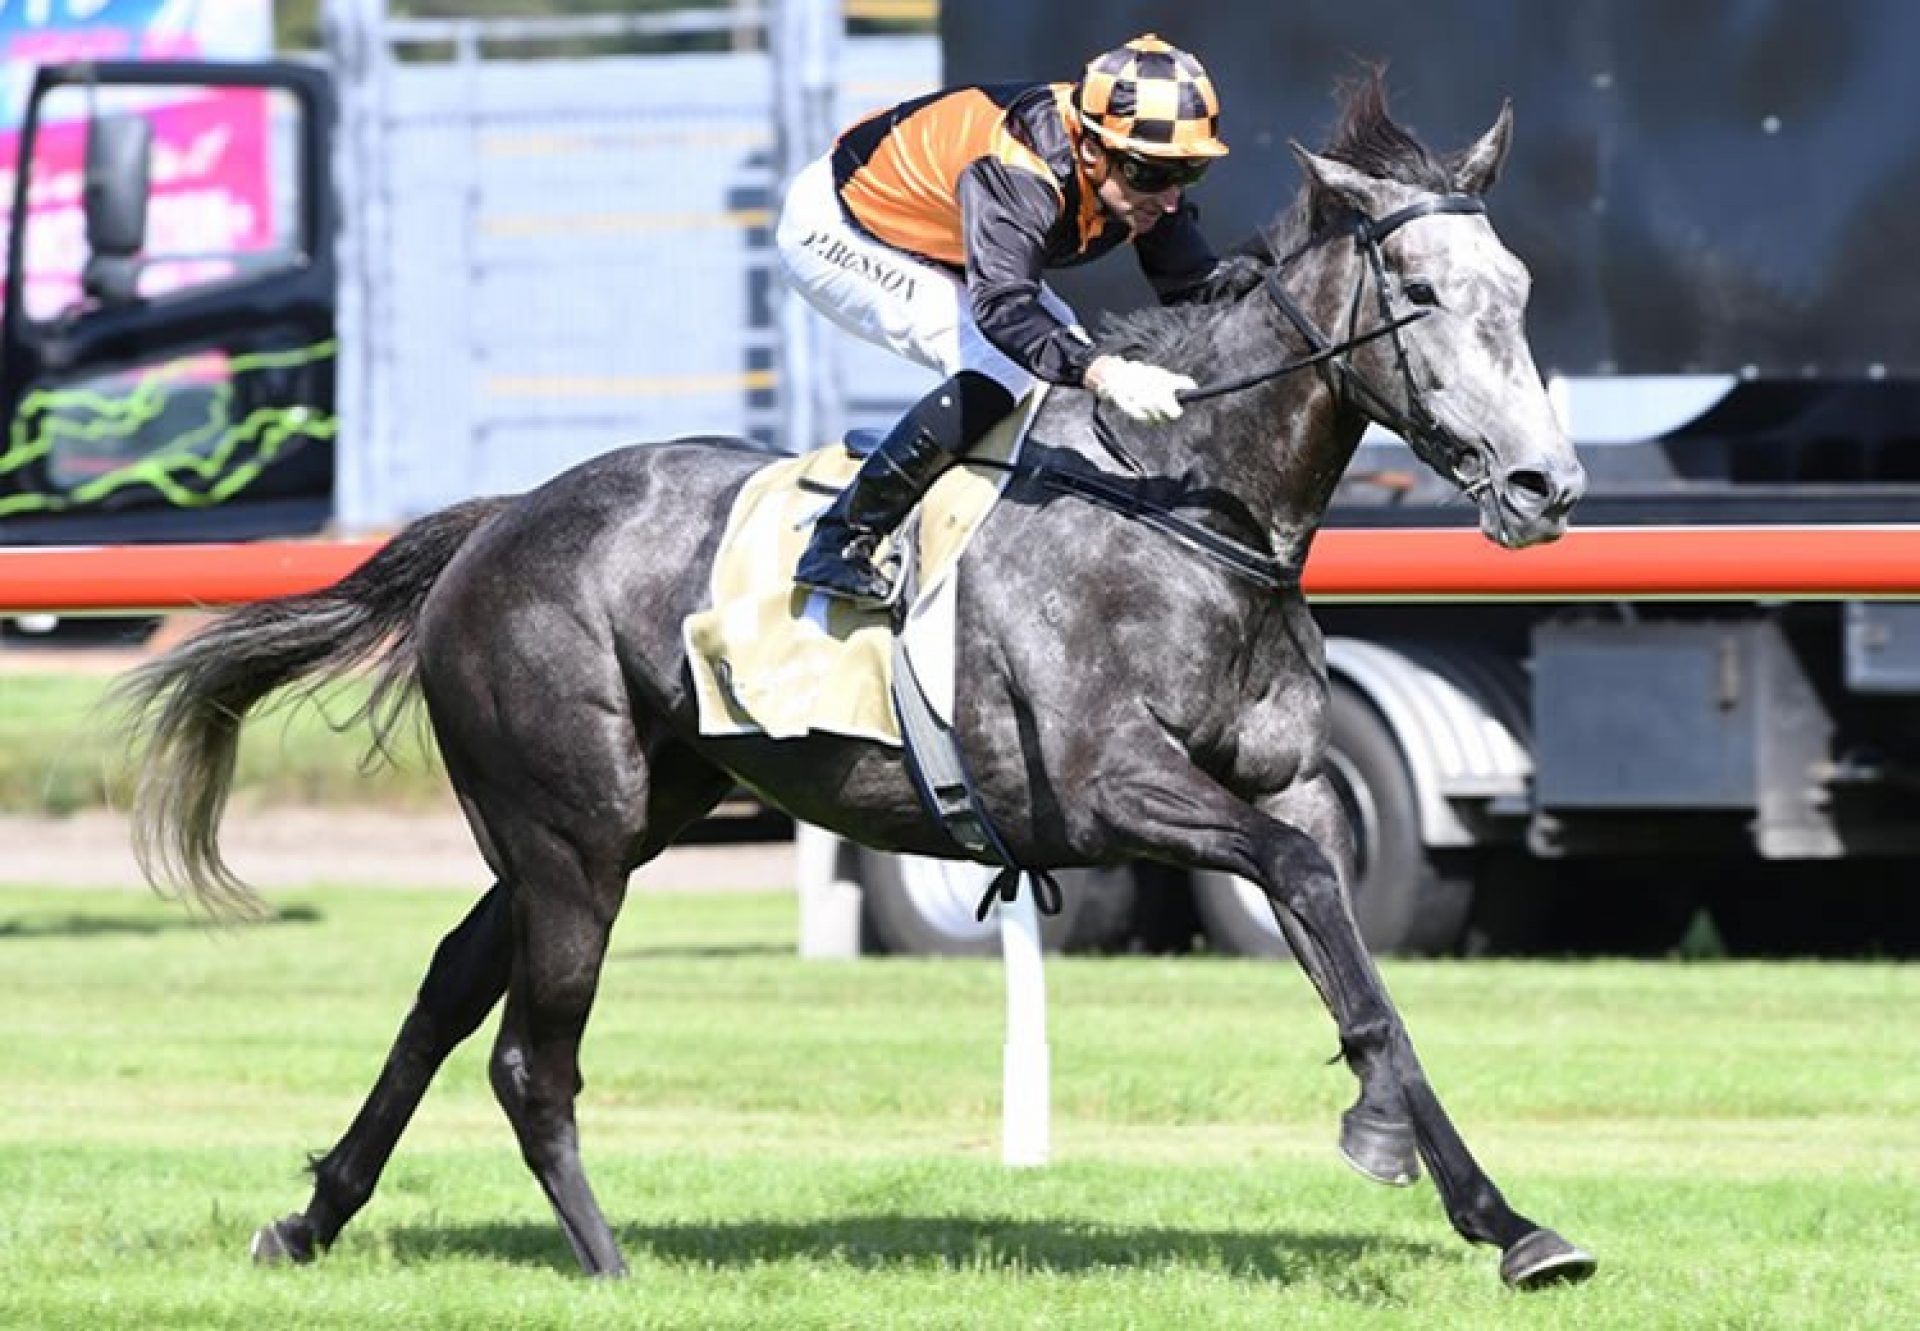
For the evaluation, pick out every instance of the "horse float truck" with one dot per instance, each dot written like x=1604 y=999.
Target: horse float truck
x=1714 y=202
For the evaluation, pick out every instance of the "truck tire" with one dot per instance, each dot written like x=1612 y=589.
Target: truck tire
x=915 y=906
x=1409 y=901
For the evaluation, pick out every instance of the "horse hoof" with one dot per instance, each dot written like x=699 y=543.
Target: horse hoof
x=1382 y=1149
x=1543 y=1258
x=285 y=1242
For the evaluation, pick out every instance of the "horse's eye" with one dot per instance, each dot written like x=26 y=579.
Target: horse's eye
x=1420 y=291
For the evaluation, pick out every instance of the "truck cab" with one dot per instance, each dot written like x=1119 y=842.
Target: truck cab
x=167 y=354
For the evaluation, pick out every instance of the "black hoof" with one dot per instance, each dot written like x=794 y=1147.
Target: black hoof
x=285 y=1242
x=1382 y=1149
x=1543 y=1258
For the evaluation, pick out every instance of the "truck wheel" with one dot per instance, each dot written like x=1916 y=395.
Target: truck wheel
x=1408 y=900
x=912 y=905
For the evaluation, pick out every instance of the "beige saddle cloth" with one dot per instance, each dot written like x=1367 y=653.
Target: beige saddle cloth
x=771 y=658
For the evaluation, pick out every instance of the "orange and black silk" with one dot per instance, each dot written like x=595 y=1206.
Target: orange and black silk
x=986 y=180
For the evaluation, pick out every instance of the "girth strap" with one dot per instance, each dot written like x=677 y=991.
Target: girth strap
x=946 y=788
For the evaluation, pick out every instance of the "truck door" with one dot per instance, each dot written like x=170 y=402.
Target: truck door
x=168 y=338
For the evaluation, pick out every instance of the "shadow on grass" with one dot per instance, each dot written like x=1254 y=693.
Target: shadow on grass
x=75 y=925
x=699 y=952
x=906 y=1243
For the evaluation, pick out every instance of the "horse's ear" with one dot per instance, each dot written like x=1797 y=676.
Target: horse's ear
x=1475 y=170
x=1355 y=188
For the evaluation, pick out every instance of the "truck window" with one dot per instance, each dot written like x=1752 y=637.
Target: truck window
x=224 y=200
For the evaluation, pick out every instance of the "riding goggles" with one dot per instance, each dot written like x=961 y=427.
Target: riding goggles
x=1150 y=175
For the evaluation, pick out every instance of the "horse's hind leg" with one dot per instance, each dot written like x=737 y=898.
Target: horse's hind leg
x=571 y=863
x=467 y=977
x=1182 y=814
x=568 y=781
x=560 y=941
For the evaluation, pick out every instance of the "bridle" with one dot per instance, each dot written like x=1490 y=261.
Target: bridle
x=1417 y=424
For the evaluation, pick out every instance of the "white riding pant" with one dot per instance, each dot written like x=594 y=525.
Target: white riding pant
x=885 y=296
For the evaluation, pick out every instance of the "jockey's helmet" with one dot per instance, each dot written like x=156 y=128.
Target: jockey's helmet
x=1151 y=99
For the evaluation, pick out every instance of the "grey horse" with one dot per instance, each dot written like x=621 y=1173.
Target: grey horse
x=1127 y=690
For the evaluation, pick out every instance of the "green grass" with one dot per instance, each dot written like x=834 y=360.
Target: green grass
x=787 y=1144
x=58 y=752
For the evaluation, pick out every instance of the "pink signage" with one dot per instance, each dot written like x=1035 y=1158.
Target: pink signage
x=210 y=197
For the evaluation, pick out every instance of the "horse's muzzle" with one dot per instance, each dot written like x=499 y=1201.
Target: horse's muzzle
x=1529 y=505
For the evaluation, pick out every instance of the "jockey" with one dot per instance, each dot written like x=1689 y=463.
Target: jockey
x=926 y=231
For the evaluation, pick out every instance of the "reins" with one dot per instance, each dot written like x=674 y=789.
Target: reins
x=1319 y=356
x=1416 y=425
x=1322 y=353
x=1255 y=566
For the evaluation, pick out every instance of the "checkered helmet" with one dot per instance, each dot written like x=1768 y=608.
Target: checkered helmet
x=1150 y=98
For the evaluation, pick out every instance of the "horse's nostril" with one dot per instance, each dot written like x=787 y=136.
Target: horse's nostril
x=1532 y=485
x=1543 y=493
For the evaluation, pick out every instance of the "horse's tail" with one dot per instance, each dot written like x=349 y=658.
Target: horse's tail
x=183 y=710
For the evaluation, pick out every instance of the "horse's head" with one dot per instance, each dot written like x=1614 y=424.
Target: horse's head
x=1459 y=383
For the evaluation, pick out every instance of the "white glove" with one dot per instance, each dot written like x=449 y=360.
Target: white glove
x=1143 y=392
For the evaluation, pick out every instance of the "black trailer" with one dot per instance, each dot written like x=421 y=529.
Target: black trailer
x=1718 y=201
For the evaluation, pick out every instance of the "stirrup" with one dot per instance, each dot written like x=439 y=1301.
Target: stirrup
x=858 y=600
x=856 y=565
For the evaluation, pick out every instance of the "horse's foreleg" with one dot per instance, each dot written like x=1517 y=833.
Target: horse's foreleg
x=1298 y=877
x=466 y=978
x=1186 y=815
x=561 y=929
x=1376 y=1135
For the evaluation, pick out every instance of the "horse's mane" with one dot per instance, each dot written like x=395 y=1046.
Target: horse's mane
x=1368 y=137
x=1365 y=136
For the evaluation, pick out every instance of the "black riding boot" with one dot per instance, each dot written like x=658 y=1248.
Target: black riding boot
x=932 y=436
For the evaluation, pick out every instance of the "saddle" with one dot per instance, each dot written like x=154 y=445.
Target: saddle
x=774 y=659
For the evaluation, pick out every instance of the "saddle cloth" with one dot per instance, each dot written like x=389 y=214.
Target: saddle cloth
x=769 y=657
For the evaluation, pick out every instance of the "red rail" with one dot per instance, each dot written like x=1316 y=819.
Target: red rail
x=1624 y=563
x=76 y=579
x=1621 y=563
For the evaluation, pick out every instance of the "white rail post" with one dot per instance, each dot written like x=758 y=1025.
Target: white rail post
x=829 y=901
x=1026 y=1094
